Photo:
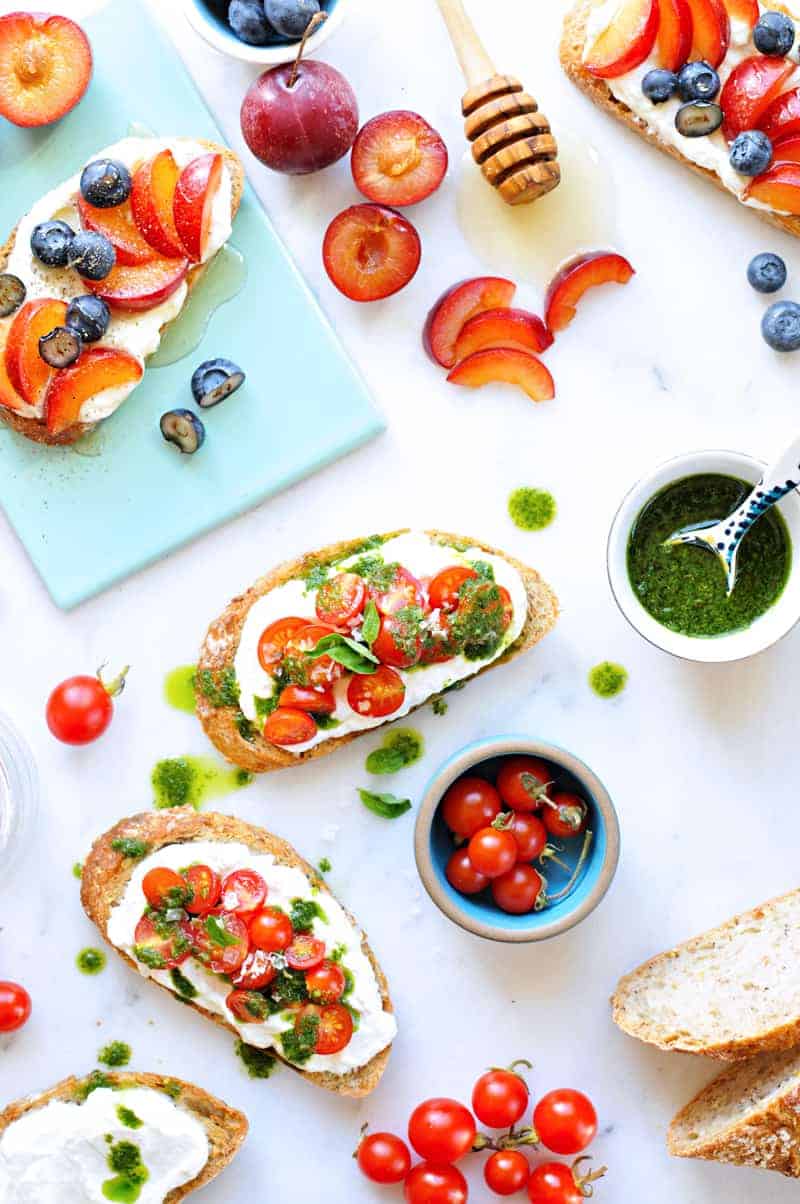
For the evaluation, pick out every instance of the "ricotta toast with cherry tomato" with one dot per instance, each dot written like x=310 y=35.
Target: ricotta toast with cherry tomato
x=340 y=641
x=233 y=922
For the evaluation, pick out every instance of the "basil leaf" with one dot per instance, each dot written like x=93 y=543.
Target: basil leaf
x=218 y=934
x=387 y=806
x=329 y=644
x=371 y=625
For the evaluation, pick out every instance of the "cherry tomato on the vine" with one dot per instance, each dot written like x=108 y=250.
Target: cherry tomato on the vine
x=567 y=817
x=520 y=890
x=566 y=1121
x=462 y=875
x=15 y=1006
x=523 y=781
x=500 y=1098
x=492 y=851
x=383 y=1158
x=554 y=1183
x=441 y=1130
x=435 y=1183
x=506 y=1172
x=530 y=835
x=470 y=804
x=81 y=708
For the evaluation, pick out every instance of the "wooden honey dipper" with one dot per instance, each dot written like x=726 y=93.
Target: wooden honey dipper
x=511 y=140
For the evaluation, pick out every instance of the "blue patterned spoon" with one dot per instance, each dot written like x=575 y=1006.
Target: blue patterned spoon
x=723 y=539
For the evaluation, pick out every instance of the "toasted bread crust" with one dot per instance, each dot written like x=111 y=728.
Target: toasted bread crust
x=36 y=430
x=222 y=641
x=106 y=874
x=572 y=44
x=225 y=1127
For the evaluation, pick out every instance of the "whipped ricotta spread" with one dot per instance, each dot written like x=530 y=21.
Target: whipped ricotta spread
x=422 y=556
x=375 y=1028
x=137 y=333
x=59 y=1153
x=711 y=152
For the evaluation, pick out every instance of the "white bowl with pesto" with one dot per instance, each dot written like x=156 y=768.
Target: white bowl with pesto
x=767 y=629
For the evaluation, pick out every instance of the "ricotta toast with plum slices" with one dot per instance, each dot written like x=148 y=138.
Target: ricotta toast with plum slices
x=713 y=83
x=118 y=1136
x=96 y=271
x=329 y=646
x=232 y=921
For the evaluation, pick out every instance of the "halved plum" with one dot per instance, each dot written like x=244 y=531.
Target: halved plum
x=398 y=159
x=27 y=371
x=119 y=228
x=573 y=280
x=507 y=366
x=749 y=90
x=627 y=41
x=9 y=397
x=454 y=309
x=45 y=67
x=503 y=328
x=782 y=118
x=98 y=369
x=712 y=31
x=141 y=286
x=675 y=31
x=370 y=252
x=779 y=188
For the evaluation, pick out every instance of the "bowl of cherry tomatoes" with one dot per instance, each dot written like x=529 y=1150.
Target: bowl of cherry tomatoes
x=516 y=839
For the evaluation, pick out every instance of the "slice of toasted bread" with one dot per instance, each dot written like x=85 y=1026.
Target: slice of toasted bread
x=572 y=44
x=106 y=874
x=731 y=993
x=36 y=430
x=225 y=1128
x=749 y=1116
x=222 y=641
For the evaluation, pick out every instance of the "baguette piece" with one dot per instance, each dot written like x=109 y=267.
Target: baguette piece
x=749 y=1116
x=219 y=648
x=225 y=1127
x=729 y=994
x=36 y=430
x=106 y=875
x=598 y=91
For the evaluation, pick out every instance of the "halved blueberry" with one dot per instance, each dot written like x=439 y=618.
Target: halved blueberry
x=61 y=347
x=767 y=272
x=698 y=118
x=91 y=255
x=184 y=429
x=89 y=317
x=215 y=380
x=12 y=294
x=50 y=243
x=106 y=183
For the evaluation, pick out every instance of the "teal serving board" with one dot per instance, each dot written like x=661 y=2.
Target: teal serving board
x=91 y=516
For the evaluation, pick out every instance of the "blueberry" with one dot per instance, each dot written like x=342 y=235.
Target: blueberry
x=50 y=243
x=105 y=183
x=698 y=81
x=248 y=21
x=774 y=34
x=290 y=18
x=61 y=347
x=698 y=118
x=91 y=255
x=751 y=153
x=184 y=429
x=215 y=380
x=660 y=85
x=89 y=317
x=12 y=294
x=780 y=326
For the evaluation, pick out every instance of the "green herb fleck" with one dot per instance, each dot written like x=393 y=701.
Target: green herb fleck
x=484 y=570
x=222 y=690
x=77 y=869
x=265 y=706
x=128 y=846
x=532 y=509
x=149 y=957
x=387 y=806
x=116 y=1053
x=128 y=1118
x=303 y=914
x=375 y=571
x=288 y=987
x=439 y=706
x=94 y=1082
x=90 y=961
x=399 y=749
x=316 y=576
x=324 y=865
x=172 y=1089
x=125 y=1160
x=179 y=781
x=258 y=1063
x=370 y=627
x=299 y=1043
x=218 y=934
x=182 y=984
x=608 y=679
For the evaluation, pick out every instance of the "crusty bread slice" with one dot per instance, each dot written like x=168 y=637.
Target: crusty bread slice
x=222 y=641
x=106 y=874
x=572 y=44
x=731 y=993
x=749 y=1116
x=225 y=1128
x=33 y=428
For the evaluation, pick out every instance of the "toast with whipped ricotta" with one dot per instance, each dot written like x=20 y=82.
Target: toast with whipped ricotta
x=245 y=931
x=327 y=647
x=105 y=1135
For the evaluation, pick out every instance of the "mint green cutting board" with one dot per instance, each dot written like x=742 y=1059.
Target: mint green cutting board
x=92 y=516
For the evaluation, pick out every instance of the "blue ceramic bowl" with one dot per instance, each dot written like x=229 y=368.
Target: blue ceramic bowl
x=208 y=18
x=478 y=914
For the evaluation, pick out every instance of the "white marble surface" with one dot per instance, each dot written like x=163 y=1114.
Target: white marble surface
x=699 y=760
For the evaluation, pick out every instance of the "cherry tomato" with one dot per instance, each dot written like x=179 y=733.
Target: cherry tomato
x=462 y=875
x=441 y=1130
x=320 y=672
x=221 y=942
x=469 y=805
x=376 y=694
x=243 y=892
x=499 y=1098
x=435 y=1183
x=530 y=835
x=247 y=1006
x=506 y=1172
x=15 y=1006
x=565 y=1121
x=567 y=817
x=523 y=782
x=492 y=851
x=444 y=589
x=272 y=645
x=305 y=952
x=256 y=972
x=383 y=1158
x=404 y=591
x=79 y=710
x=340 y=600
x=316 y=699
x=398 y=642
x=164 y=888
x=286 y=726
x=170 y=950
x=326 y=983
x=438 y=643
x=554 y=1183
x=271 y=930
x=335 y=1029
x=206 y=888
x=519 y=890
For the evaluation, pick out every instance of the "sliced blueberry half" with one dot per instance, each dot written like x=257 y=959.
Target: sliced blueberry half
x=91 y=255
x=12 y=294
x=184 y=429
x=215 y=380
x=698 y=118
x=61 y=347
x=89 y=317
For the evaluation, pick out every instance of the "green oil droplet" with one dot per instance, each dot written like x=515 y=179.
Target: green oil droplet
x=532 y=509
x=222 y=280
x=90 y=961
x=192 y=780
x=608 y=679
x=179 y=688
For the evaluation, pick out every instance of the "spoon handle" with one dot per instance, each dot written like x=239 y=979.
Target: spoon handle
x=475 y=62
x=781 y=478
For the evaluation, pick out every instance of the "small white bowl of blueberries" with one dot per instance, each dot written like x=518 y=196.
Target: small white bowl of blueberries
x=263 y=31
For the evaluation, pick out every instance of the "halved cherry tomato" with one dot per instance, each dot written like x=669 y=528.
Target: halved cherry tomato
x=566 y=1121
x=442 y=1130
x=315 y=699
x=470 y=803
x=399 y=641
x=462 y=875
x=247 y=1006
x=567 y=817
x=15 y=1006
x=243 y=892
x=272 y=645
x=492 y=851
x=164 y=888
x=256 y=972
x=335 y=1029
x=376 y=694
x=305 y=952
x=438 y=643
x=340 y=600
x=444 y=590
x=287 y=726
x=206 y=885
x=271 y=929
x=326 y=983
x=530 y=835
x=170 y=950
x=221 y=942
x=404 y=591
x=519 y=890
x=320 y=672
x=523 y=782
x=383 y=1158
